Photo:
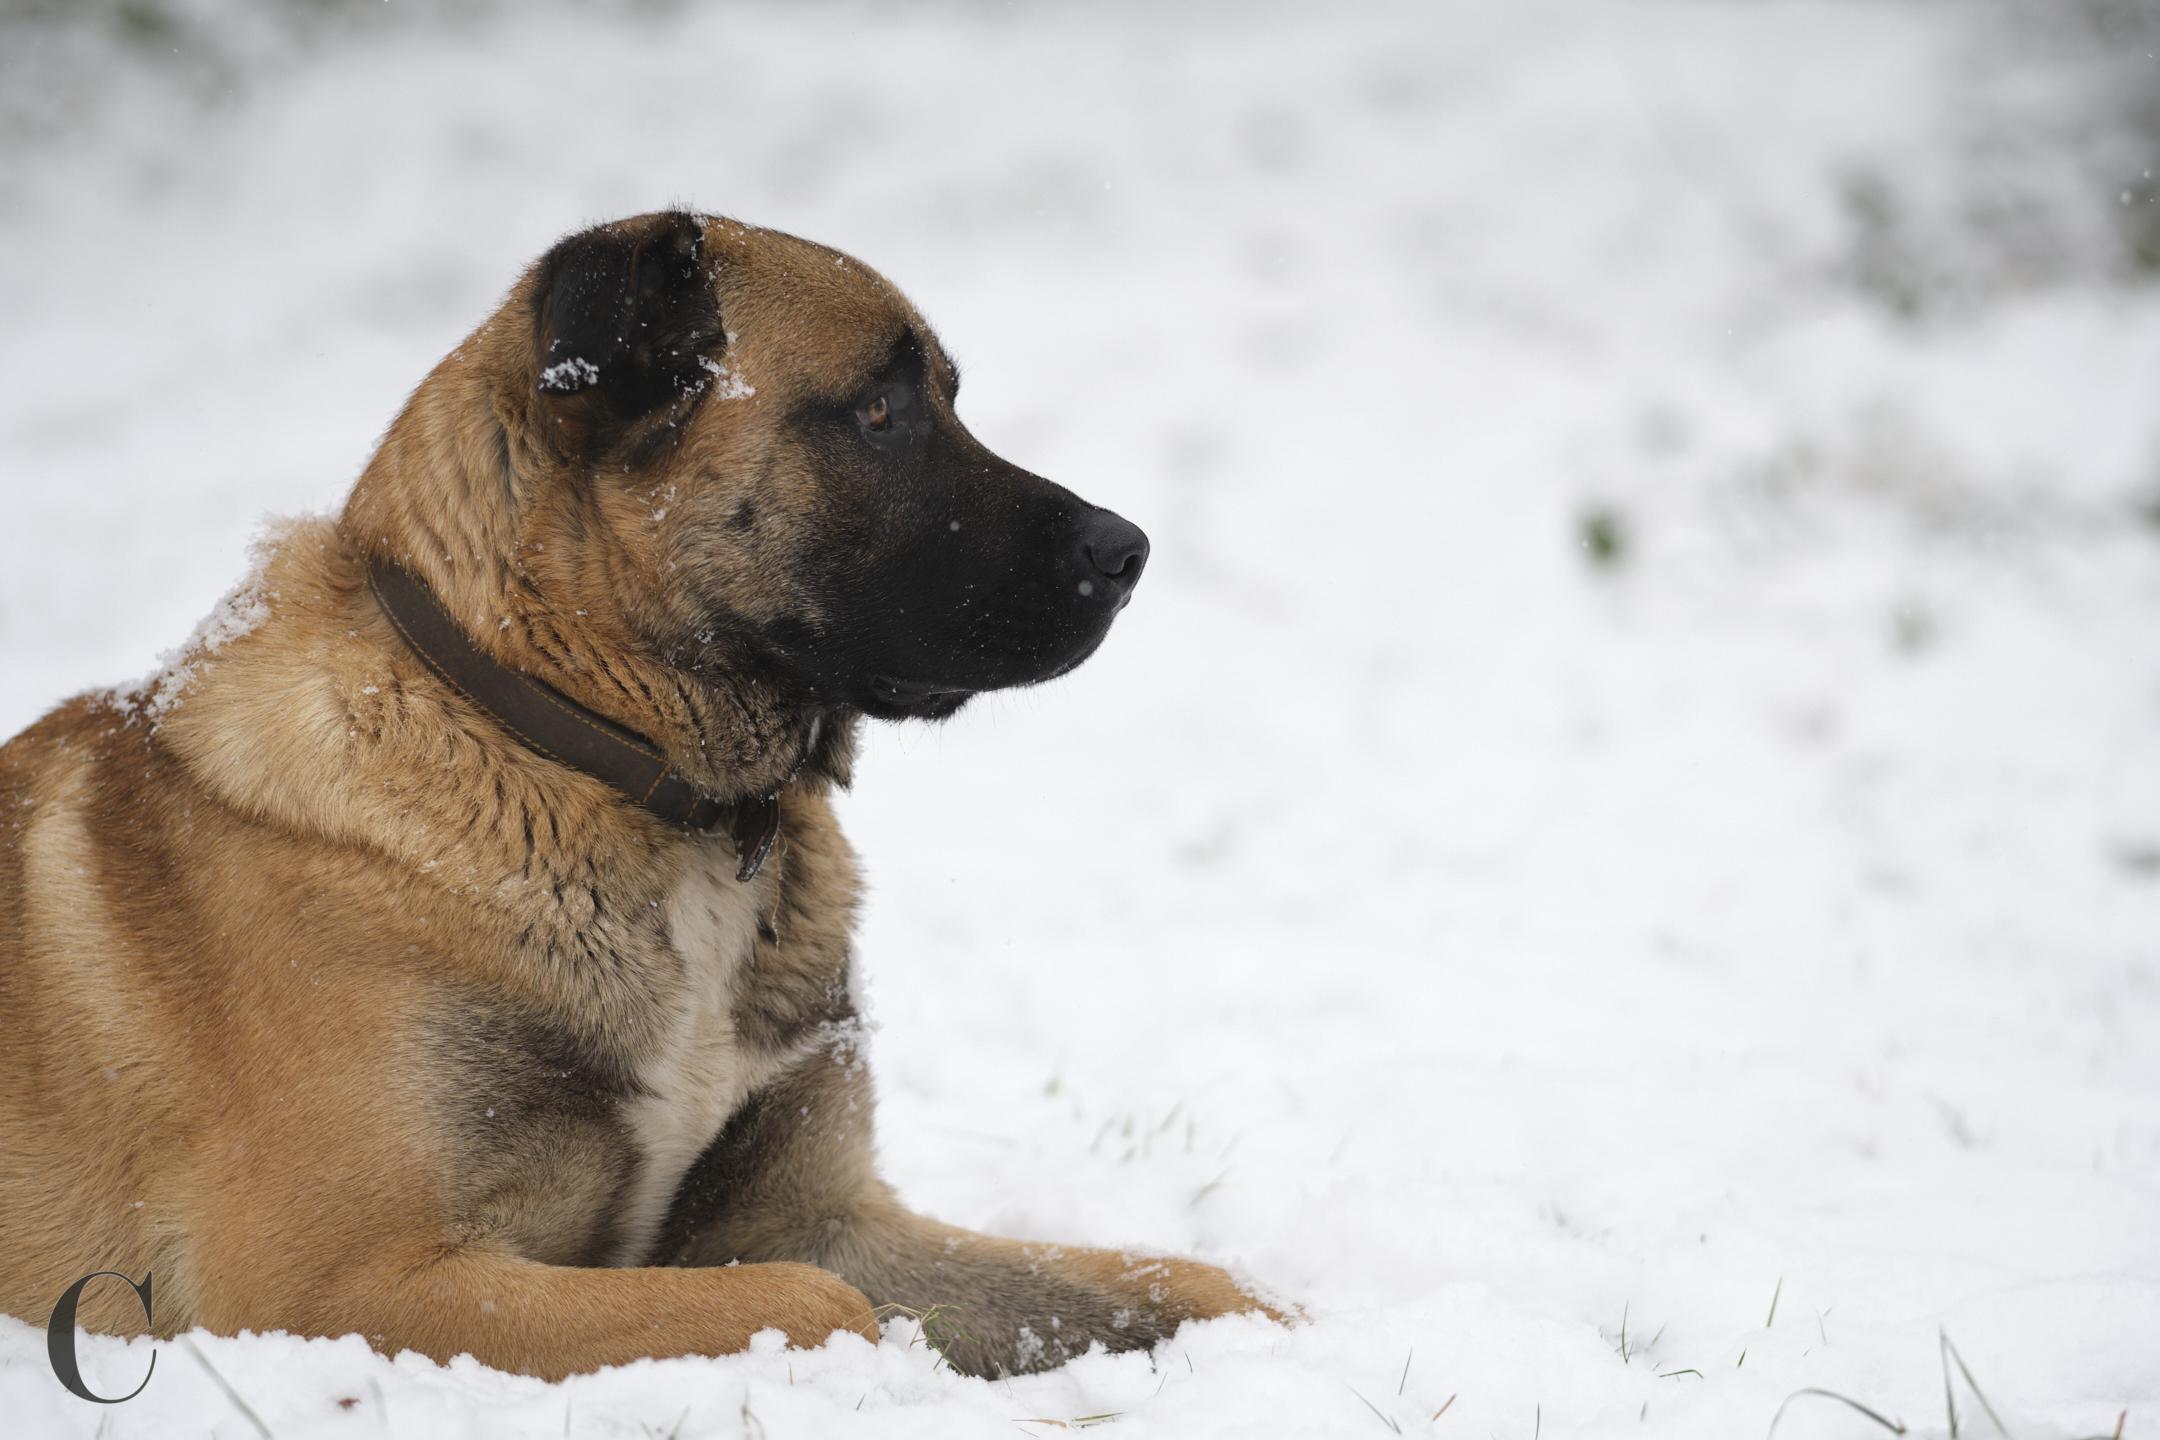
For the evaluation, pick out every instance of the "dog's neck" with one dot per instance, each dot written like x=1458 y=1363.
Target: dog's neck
x=519 y=558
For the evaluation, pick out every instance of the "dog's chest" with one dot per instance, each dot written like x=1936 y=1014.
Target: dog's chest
x=701 y=1067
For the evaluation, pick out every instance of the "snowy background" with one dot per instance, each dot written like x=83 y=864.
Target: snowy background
x=1616 y=857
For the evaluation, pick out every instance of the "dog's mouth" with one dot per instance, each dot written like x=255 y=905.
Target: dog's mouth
x=890 y=698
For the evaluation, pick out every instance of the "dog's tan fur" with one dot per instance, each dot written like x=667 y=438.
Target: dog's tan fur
x=340 y=1010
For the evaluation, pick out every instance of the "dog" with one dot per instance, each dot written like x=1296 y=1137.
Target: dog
x=452 y=945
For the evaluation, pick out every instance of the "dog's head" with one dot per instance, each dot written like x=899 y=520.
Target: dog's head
x=764 y=430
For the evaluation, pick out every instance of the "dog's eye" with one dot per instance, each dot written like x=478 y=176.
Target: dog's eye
x=878 y=414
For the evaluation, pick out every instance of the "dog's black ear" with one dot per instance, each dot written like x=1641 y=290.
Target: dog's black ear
x=627 y=310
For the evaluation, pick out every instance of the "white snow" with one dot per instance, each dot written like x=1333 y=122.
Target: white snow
x=1530 y=964
x=576 y=368
x=732 y=385
x=237 y=614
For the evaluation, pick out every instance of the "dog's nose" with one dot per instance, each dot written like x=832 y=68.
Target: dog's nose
x=1116 y=549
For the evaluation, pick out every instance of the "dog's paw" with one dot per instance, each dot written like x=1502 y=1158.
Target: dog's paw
x=1171 y=1291
x=811 y=1304
x=1202 y=1292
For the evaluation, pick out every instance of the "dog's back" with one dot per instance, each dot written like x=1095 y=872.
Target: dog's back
x=73 y=1070
x=193 y=985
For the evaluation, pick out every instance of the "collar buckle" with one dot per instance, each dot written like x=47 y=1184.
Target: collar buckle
x=757 y=826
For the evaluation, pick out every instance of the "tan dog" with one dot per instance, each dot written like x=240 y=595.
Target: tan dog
x=454 y=946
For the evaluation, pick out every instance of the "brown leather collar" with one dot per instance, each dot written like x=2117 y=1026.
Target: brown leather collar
x=552 y=724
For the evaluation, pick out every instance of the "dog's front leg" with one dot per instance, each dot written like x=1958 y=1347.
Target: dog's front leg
x=557 y=1320
x=792 y=1178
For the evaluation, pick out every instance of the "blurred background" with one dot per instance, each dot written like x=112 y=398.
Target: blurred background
x=1616 y=855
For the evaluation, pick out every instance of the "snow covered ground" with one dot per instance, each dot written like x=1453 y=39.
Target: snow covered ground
x=1616 y=857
